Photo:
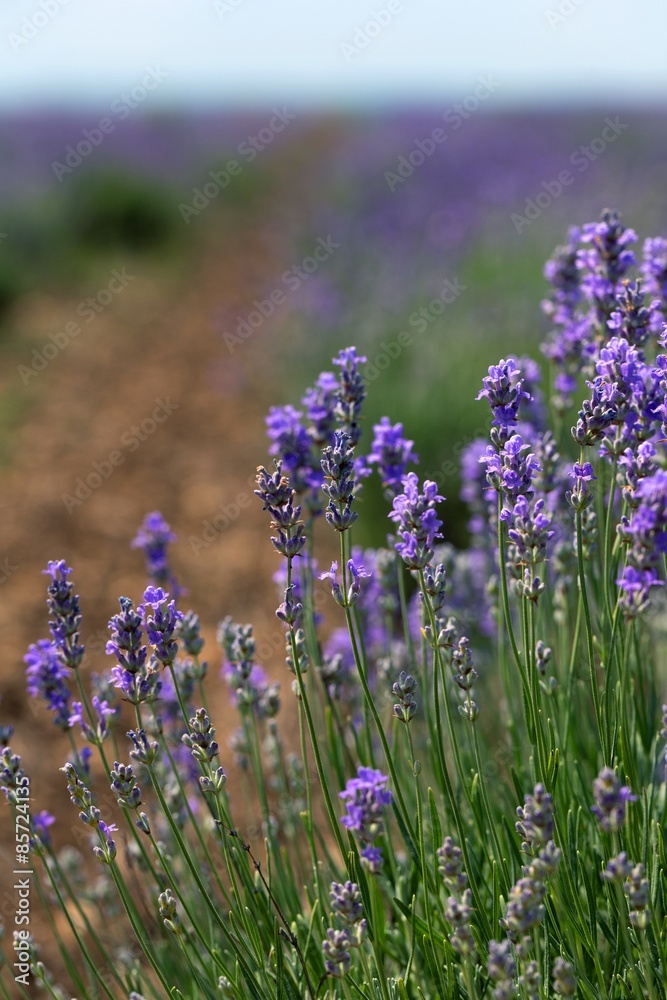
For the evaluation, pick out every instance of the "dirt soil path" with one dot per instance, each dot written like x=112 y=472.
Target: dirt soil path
x=157 y=346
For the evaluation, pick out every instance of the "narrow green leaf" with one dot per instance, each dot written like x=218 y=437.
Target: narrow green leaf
x=590 y=896
x=420 y=924
x=436 y=829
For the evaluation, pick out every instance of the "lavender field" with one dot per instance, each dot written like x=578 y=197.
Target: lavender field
x=381 y=398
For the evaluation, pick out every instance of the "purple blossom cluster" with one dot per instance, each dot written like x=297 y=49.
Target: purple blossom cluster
x=367 y=799
x=65 y=621
x=137 y=673
x=503 y=388
x=47 y=678
x=153 y=538
x=332 y=405
x=350 y=928
x=605 y=259
x=646 y=538
x=417 y=522
x=277 y=496
x=391 y=453
x=611 y=800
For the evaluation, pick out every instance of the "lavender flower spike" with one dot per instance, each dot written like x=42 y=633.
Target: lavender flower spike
x=391 y=452
x=153 y=538
x=160 y=619
x=611 y=800
x=47 y=676
x=357 y=574
x=367 y=800
x=503 y=388
x=66 y=617
x=351 y=392
x=277 y=496
x=418 y=523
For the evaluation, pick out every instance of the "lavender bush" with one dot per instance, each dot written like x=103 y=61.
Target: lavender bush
x=474 y=801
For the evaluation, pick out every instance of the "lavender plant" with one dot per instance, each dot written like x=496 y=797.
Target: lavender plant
x=373 y=852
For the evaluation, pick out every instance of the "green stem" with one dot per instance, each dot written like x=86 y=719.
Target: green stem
x=589 y=638
x=422 y=853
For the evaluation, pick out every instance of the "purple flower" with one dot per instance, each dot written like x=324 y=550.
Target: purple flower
x=336 y=951
x=338 y=467
x=160 y=619
x=367 y=800
x=372 y=856
x=346 y=903
x=252 y=690
x=277 y=496
x=502 y=969
x=126 y=638
x=654 y=272
x=405 y=690
x=564 y=276
x=391 y=452
x=582 y=472
x=617 y=868
x=525 y=908
x=136 y=688
x=107 y=853
x=124 y=786
x=632 y=318
x=103 y=712
x=41 y=822
x=418 y=523
x=65 y=622
x=47 y=678
x=320 y=404
x=536 y=821
x=597 y=414
x=646 y=534
x=189 y=634
x=530 y=530
x=153 y=538
x=336 y=590
x=605 y=260
x=354 y=590
x=633 y=467
x=292 y=446
x=579 y=497
x=611 y=800
x=503 y=387
x=510 y=471
x=351 y=392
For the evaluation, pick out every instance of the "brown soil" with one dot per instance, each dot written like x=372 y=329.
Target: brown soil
x=156 y=341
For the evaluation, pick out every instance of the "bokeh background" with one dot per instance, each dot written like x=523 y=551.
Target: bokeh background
x=167 y=173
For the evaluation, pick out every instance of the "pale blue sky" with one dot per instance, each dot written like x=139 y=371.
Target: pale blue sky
x=237 y=51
